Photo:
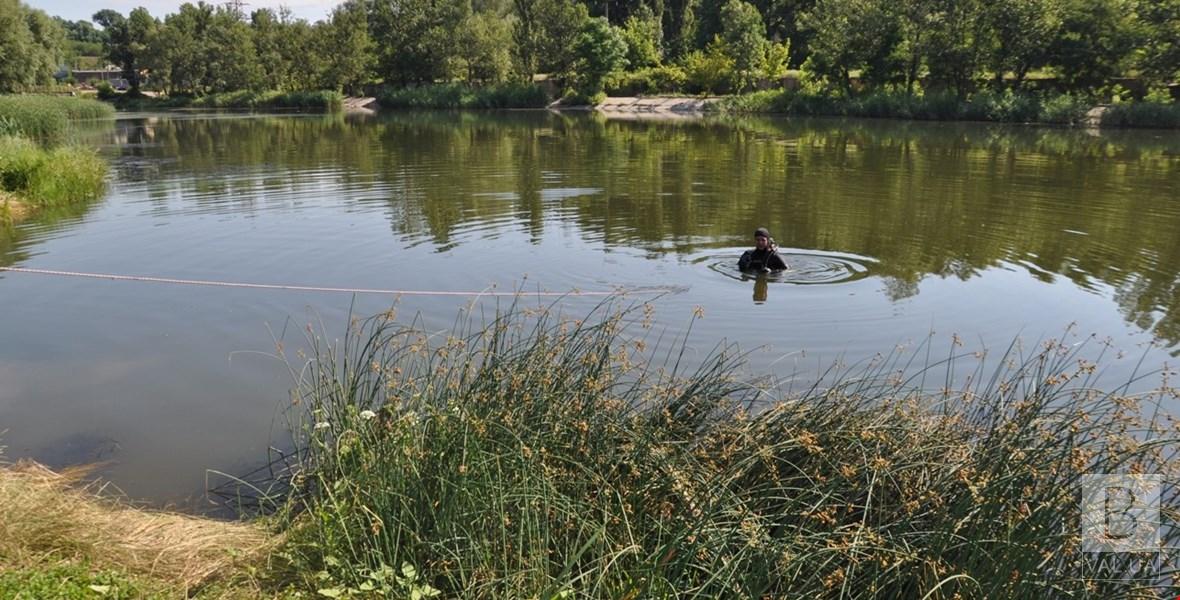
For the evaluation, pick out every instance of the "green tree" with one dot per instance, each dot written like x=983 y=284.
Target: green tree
x=232 y=61
x=745 y=39
x=644 y=36
x=1022 y=30
x=127 y=41
x=1094 y=42
x=955 y=43
x=485 y=56
x=176 y=54
x=542 y=34
x=415 y=38
x=27 y=57
x=1159 y=58
x=848 y=35
x=347 y=48
x=601 y=50
x=709 y=70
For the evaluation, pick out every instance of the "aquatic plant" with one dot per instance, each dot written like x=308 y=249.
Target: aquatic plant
x=44 y=178
x=539 y=455
x=47 y=118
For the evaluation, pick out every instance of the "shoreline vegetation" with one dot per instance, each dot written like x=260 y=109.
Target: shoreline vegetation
x=544 y=456
x=39 y=169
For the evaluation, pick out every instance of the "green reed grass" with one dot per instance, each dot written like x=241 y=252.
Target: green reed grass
x=47 y=118
x=536 y=455
x=49 y=178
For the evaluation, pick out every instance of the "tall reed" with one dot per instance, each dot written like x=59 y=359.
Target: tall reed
x=538 y=455
x=47 y=118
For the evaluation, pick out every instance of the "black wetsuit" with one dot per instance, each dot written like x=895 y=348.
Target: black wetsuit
x=756 y=260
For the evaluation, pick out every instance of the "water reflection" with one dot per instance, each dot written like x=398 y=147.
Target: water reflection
x=923 y=200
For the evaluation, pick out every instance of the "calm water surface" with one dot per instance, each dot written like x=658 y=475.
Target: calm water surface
x=896 y=232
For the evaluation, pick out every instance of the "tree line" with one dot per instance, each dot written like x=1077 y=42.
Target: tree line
x=694 y=45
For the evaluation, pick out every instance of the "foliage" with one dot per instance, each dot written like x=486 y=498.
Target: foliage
x=485 y=56
x=711 y=71
x=346 y=47
x=47 y=178
x=1143 y=114
x=744 y=36
x=30 y=46
x=540 y=455
x=542 y=35
x=601 y=50
x=507 y=95
x=127 y=41
x=644 y=36
x=70 y=582
x=47 y=118
x=653 y=80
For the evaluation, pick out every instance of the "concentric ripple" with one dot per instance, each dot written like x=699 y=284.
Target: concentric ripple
x=805 y=268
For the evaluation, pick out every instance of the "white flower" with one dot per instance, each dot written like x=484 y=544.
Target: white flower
x=321 y=425
x=368 y=414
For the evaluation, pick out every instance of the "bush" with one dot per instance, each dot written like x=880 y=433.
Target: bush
x=710 y=71
x=1065 y=109
x=47 y=178
x=664 y=79
x=455 y=95
x=105 y=90
x=1143 y=114
x=574 y=97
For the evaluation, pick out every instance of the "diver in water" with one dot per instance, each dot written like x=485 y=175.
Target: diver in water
x=764 y=257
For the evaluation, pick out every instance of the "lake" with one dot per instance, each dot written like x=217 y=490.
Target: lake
x=913 y=235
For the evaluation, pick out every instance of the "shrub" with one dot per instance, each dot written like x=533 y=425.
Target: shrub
x=1143 y=114
x=653 y=80
x=105 y=90
x=454 y=95
x=1066 y=109
x=47 y=178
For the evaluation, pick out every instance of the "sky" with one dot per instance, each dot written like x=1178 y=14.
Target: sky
x=72 y=10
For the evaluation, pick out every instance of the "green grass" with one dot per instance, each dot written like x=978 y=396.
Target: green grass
x=45 y=178
x=508 y=95
x=69 y=582
x=542 y=456
x=47 y=118
x=1005 y=107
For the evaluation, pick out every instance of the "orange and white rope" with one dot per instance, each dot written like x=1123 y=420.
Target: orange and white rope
x=314 y=288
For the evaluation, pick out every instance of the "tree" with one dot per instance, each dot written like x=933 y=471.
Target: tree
x=415 y=38
x=1094 y=42
x=1022 y=30
x=127 y=40
x=643 y=35
x=542 y=35
x=954 y=44
x=849 y=35
x=485 y=56
x=347 y=47
x=745 y=39
x=601 y=51
x=30 y=46
x=1159 y=61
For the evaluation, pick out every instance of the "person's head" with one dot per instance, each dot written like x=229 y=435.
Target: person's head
x=761 y=238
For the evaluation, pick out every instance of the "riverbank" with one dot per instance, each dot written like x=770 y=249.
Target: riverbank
x=317 y=100
x=38 y=170
x=538 y=455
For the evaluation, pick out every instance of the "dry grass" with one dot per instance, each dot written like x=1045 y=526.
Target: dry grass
x=49 y=517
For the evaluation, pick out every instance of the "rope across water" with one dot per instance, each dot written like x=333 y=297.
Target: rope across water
x=313 y=288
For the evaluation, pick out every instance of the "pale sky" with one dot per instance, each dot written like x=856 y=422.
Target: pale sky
x=312 y=10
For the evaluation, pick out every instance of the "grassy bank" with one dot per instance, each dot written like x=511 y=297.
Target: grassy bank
x=323 y=100
x=34 y=178
x=47 y=118
x=542 y=456
x=506 y=95
x=59 y=540
x=1007 y=107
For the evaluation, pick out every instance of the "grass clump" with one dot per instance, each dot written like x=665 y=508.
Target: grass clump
x=454 y=95
x=47 y=118
x=33 y=177
x=320 y=100
x=1143 y=114
x=537 y=455
x=59 y=540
